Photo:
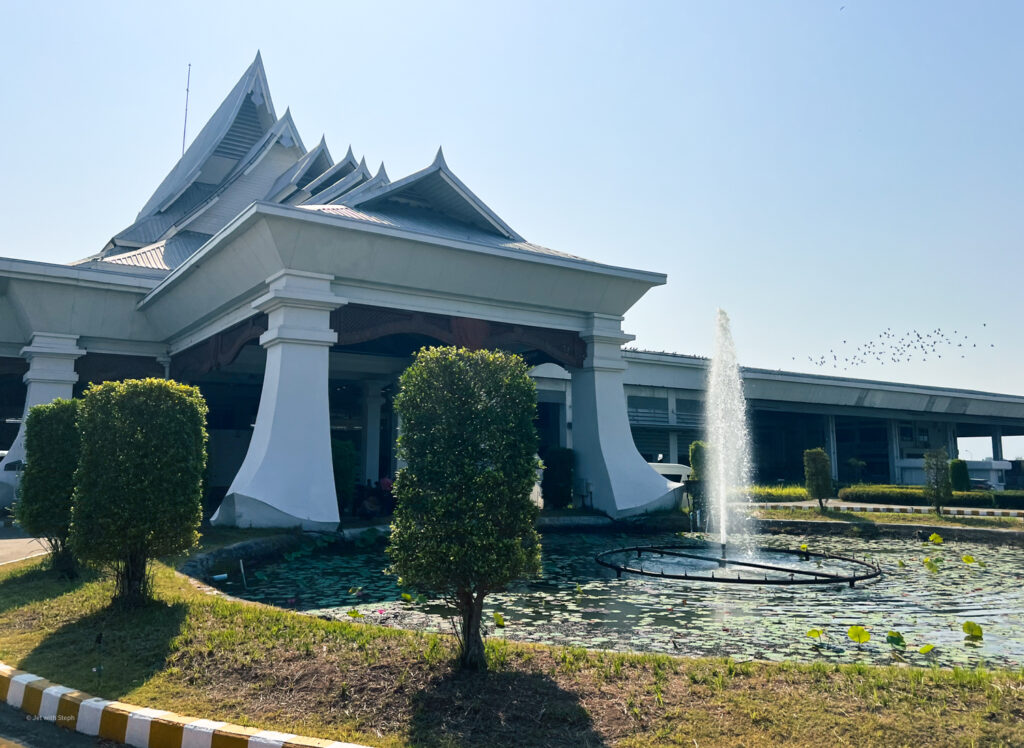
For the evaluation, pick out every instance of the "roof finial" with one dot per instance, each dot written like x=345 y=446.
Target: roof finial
x=439 y=158
x=349 y=156
x=381 y=173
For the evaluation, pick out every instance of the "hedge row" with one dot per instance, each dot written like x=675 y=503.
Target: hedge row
x=777 y=493
x=914 y=496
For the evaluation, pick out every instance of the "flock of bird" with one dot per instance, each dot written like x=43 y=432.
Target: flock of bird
x=888 y=348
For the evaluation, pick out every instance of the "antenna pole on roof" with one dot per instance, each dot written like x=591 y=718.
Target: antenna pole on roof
x=184 y=129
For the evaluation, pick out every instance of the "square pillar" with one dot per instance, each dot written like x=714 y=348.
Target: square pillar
x=287 y=477
x=373 y=401
x=830 y=445
x=618 y=479
x=895 y=471
x=51 y=374
x=997 y=443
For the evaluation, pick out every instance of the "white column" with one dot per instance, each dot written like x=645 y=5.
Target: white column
x=620 y=481
x=830 y=445
x=372 y=403
x=51 y=374
x=287 y=477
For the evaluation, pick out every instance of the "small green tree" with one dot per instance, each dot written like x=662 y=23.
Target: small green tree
x=464 y=521
x=44 y=493
x=938 y=490
x=138 y=487
x=818 y=475
x=959 y=476
x=556 y=484
x=698 y=460
x=856 y=469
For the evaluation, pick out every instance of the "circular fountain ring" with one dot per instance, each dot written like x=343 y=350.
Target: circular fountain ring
x=789 y=575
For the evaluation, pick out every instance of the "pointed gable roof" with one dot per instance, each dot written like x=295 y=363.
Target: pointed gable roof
x=239 y=122
x=338 y=171
x=339 y=189
x=435 y=190
x=305 y=170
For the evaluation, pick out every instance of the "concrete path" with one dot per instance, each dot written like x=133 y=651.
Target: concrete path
x=16 y=545
x=850 y=506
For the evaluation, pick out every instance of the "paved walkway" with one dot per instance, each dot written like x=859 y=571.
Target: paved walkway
x=849 y=506
x=20 y=730
x=16 y=545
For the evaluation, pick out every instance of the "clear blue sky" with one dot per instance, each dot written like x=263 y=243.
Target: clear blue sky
x=822 y=170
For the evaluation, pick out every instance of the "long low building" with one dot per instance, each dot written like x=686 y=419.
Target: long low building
x=888 y=426
x=294 y=288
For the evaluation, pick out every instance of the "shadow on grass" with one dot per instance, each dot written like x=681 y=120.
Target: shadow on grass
x=503 y=708
x=133 y=647
x=36 y=582
x=844 y=516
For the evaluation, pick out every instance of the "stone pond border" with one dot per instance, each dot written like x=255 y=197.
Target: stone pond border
x=141 y=727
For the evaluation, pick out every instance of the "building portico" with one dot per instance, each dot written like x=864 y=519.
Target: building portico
x=293 y=289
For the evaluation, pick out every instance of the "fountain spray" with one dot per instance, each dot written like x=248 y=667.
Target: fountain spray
x=725 y=418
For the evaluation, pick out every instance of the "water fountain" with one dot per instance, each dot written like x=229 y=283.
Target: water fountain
x=728 y=474
x=728 y=436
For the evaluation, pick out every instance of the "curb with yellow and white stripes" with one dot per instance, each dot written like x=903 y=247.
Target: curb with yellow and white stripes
x=137 y=726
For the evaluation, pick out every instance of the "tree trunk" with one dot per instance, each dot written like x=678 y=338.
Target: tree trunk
x=132 y=587
x=472 y=656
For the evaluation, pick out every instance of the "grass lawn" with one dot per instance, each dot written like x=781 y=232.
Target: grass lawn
x=205 y=656
x=832 y=515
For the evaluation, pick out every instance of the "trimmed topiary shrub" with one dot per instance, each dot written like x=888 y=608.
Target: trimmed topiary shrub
x=464 y=520
x=698 y=460
x=818 y=475
x=959 y=477
x=138 y=487
x=48 y=481
x=556 y=484
x=937 y=489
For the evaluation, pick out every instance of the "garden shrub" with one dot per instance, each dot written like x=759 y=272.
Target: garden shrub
x=698 y=460
x=345 y=459
x=912 y=496
x=959 y=477
x=556 y=484
x=1008 y=499
x=777 y=493
x=818 y=475
x=48 y=481
x=138 y=487
x=937 y=489
x=464 y=520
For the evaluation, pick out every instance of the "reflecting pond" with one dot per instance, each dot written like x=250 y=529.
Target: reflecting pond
x=926 y=593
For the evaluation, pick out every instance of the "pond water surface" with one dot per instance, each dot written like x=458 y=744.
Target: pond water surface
x=576 y=602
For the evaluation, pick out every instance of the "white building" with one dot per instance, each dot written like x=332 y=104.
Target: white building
x=293 y=289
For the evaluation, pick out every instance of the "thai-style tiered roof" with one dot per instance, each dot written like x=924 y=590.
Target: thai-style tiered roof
x=246 y=154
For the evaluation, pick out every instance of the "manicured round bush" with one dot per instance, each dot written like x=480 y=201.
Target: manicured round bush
x=698 y=460
x=138 y=487
x=44 y=493
x=818 y=475
x=464 y=520
x=937 y=488
x=959 y=476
